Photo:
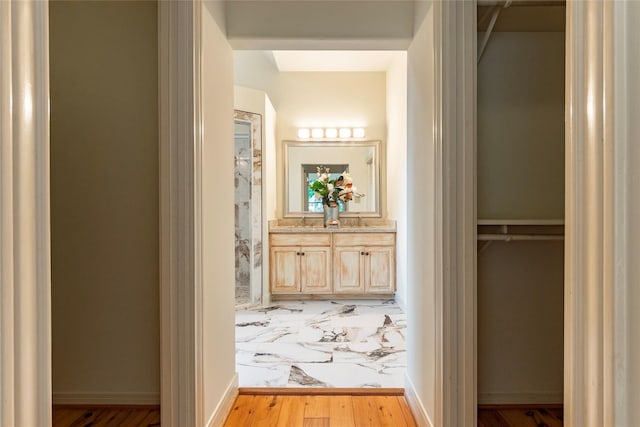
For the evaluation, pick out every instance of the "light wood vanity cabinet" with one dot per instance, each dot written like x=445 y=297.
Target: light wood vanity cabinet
x=300 y=263
x=332 y=263
x=364 y=263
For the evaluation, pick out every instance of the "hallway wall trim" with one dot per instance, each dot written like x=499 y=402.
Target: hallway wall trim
x=456 y=218
x=180 y=345
x=601 y=224
x=25 y=237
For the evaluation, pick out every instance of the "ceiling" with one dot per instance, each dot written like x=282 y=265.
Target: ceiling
x=334 y=60
x=533 y=17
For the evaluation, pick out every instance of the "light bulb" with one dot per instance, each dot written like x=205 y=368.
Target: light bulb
x=358 y=132
x=345 y=133
x=304 y=133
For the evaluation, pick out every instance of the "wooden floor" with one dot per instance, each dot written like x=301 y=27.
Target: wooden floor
x=67 y=416
x=319 y=411
x=520 y=417
x=307 y=411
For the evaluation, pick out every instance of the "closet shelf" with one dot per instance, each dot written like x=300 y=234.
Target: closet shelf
x=513 y=230
x=510 y=237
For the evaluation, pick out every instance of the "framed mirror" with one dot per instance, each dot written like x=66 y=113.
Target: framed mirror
x=361 y=159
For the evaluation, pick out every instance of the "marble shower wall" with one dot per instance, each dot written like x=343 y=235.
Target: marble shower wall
x=248 y=207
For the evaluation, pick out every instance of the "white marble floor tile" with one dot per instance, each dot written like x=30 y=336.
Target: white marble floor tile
x=263 y=376
x=346 y=343
x=334 y=375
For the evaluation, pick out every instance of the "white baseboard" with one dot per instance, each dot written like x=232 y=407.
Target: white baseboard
x=72 y=398
x=401 y=303
x=219 y=414
x=520 y=398
x=417 y=408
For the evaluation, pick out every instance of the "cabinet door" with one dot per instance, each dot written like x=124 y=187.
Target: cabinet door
x=347 y=270
x=285 y=269
x=380 y=269
x=315 y=269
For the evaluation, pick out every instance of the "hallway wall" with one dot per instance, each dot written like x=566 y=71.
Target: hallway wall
x=396 y=160
x=104 y=202
x=218 y=315
x=421 y=245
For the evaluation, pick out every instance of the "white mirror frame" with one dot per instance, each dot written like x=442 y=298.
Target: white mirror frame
x=376 y=213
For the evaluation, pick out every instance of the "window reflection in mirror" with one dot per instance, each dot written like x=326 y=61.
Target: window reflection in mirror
x=309 y=175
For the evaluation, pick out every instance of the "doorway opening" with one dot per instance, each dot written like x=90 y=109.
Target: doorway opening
x=520 y=182
x=327 y=338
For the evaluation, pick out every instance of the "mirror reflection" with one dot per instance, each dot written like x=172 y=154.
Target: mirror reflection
x=360 y=159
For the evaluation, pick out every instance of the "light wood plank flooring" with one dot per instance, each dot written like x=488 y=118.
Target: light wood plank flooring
x=68 y=416
x=307 y=411
x=520 y=416
x=251 y=410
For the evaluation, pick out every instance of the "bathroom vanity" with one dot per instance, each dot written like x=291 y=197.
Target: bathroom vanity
x=308 y=260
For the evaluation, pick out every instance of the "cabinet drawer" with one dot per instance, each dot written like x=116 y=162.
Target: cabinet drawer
x=364 y=239
x=300 y=239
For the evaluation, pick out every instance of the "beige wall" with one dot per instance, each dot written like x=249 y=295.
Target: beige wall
x=218 y=239
x=630 y=307
x=520 y=322
x=344 y=24
x=521 y=176
x=521 y=127
x=104 y=201
x=314 y=98
x=396 y=157
x=421 y=184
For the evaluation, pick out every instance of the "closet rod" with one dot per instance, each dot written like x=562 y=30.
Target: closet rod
x=522 y=3
x=510 y=237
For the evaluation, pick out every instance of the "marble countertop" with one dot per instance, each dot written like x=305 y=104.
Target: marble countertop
x=347 y=225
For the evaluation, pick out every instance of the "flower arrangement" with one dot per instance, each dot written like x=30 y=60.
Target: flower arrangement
x=332 y=191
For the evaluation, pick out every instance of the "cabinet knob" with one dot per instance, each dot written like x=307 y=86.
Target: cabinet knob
x=297 y=253
x=361 y=253
x=302 y=253
x=366 y=253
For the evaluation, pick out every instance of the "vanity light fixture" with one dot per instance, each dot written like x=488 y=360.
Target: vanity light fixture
x=331 y=133
x=304 y=133
x=358 y=132
x=345 y=133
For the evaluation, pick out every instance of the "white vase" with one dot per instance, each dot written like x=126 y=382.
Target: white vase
x=331 y=216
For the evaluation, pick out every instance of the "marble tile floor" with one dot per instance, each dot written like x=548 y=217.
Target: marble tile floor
x=336 y=343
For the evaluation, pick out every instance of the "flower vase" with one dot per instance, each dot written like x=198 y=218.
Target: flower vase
x=331 y=216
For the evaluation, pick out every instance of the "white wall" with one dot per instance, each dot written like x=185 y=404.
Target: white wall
x=320 y=99
x=396 y=156
x=421 y=316
x=521 y=127
x=104 y=201
x=218 y=240
x=269 y=153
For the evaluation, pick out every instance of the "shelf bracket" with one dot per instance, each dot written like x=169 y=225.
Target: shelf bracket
x=494 y=17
